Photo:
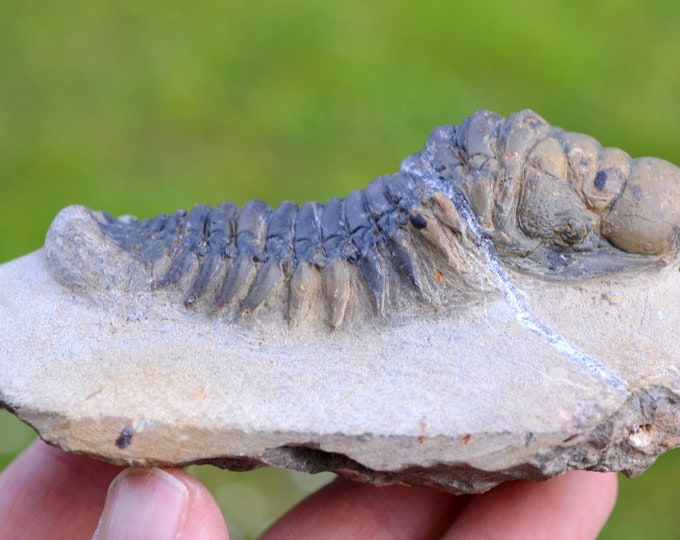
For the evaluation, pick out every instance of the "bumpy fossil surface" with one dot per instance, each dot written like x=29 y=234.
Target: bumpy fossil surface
x=553 y=204
x=502 y=307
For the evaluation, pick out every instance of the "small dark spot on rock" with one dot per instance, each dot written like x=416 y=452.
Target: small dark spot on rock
x=600 y=180
x=125 y=438
x=466 y=438
x=418 y=221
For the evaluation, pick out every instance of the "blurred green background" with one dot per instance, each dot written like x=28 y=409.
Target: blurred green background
x=144 y=107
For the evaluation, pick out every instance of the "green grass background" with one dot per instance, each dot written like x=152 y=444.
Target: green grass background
x=146 y=106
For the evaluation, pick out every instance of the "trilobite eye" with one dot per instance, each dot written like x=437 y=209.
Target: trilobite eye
x=572 y=230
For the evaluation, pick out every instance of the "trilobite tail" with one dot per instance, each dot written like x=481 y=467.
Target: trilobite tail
x=83 y=258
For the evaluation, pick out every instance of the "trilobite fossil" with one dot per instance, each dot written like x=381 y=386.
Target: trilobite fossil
x=549 y=203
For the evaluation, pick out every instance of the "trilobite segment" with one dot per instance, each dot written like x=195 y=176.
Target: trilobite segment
x=410 y=198
x=301 y=286
x=446 y=212
x=280 y=232
x=308 y=244
x=477 y=135
x=337 y=291
x=278 y=254
x=308 y=231
x=251 y=230
x=191 y=245
x=426 y=224
x=334 y=229
x=221 y=227
x=365 y=237
x=402 y=252
x=386 y=216
x=309 y=258
x=266 y=279
x=378 y=203
x=405 y=193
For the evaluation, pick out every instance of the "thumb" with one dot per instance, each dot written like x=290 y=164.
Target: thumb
x=158 y=504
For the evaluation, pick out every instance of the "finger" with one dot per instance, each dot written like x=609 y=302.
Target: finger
x=204 y=520
x=346 y=509
x=160 y=503
x=573 y=506
x=48 y=493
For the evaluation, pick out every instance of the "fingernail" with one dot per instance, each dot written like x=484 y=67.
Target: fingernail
x=144 y=504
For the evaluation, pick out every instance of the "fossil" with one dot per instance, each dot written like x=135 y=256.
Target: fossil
x=504 y=306
x=554 y=204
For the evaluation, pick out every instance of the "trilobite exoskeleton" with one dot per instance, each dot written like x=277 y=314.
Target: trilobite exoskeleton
x=554 y=204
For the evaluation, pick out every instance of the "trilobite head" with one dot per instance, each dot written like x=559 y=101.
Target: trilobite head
x=560 y=201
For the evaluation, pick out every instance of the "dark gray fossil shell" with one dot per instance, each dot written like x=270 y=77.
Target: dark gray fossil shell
x=549 y=203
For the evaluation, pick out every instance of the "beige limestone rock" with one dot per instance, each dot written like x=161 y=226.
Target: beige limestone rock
x=460 y=402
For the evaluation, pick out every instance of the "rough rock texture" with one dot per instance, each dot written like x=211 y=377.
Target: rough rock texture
x=460 y=403
x=503 y=307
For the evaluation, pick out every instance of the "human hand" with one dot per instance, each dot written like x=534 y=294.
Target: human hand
x=47 y=493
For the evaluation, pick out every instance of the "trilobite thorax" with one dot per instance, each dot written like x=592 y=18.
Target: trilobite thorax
x=555 y=204
x=392 y=246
